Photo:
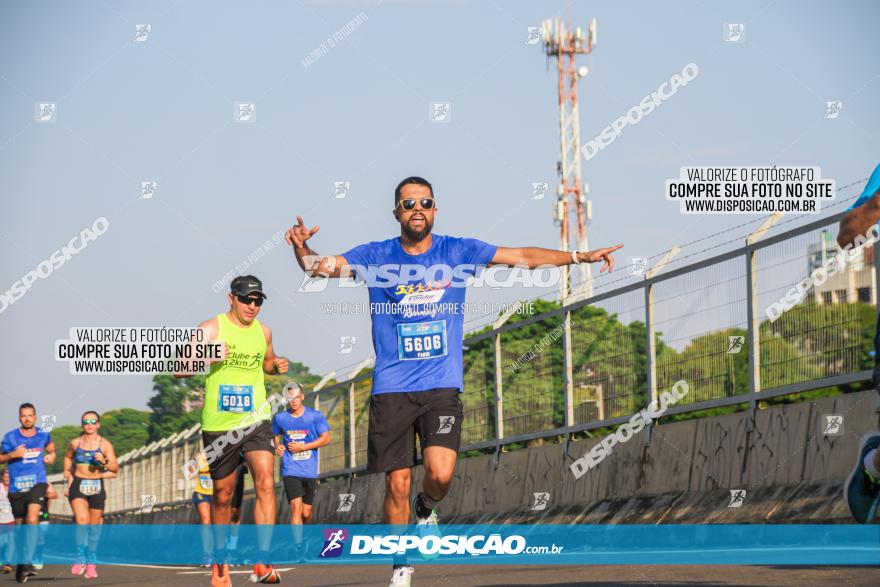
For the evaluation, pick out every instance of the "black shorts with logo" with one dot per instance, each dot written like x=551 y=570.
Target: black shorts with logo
x=94 y=498
x=224 y=462
x=20 y=500
x=300 y=487
x=395 y=419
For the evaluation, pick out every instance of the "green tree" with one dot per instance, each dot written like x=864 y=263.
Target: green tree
x=126 y=428
x=168 y=413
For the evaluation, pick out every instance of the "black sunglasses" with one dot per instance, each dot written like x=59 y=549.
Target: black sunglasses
x=247 y=300
x=427 y=204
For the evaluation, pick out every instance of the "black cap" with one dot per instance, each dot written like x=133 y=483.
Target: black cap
x=247 y=284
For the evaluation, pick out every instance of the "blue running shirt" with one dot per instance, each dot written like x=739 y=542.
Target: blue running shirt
x=306 y=428
x=870 y=189
x=26 y=472
x=417 y=309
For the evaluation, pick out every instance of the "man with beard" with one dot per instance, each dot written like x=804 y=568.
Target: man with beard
x=418 y=374
x=27 y=450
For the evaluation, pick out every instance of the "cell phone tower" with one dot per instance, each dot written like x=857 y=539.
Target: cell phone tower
x=565 y=45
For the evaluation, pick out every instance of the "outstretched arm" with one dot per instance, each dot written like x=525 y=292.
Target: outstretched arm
x=309 y=260
x=533 y=257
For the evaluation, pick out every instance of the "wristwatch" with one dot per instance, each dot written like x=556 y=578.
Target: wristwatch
x=574 y=259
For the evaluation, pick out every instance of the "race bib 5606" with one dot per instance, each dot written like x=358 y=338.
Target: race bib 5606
x=421 y=340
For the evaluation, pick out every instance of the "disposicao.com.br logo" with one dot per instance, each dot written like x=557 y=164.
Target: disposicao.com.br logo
x=453 y=544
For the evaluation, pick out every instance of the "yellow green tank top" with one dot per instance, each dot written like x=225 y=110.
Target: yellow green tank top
x=204 y=484
x=234 y=389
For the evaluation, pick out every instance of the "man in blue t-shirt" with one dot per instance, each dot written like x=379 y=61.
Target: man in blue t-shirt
x=28 y=451
x=417 y=290
x=299 y=432
x=862 y=487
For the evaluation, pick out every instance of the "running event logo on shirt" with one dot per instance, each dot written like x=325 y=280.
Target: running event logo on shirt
x=31 y=455
x=422 y=292
x=236 y=359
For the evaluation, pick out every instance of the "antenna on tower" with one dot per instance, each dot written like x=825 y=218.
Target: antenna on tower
x=565 y=45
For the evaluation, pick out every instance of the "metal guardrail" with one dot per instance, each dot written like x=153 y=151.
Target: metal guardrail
x=154 y=470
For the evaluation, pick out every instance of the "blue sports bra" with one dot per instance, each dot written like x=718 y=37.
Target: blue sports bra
x=87 y=457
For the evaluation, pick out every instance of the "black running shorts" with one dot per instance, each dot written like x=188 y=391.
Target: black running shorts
x=91 y=490
x=21 y=499
x=300 y=487
x=396 y=418
x=232 y=446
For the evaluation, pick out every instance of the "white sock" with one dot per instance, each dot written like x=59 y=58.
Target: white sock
x=869 y=464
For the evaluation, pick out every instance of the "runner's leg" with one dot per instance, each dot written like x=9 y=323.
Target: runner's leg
x=262 y=467
x=32 y=520
x=439 y=464
x=397 y=488
x=80 y=509
x=203 y=511
x=96 y=523
x=221 y=514
x=296 y=519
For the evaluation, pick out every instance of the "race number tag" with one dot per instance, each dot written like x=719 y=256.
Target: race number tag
x=25 y=483
x=296 y=436
x=90 y=486
x=235 y=398
x=206 y=482
x=421 y=340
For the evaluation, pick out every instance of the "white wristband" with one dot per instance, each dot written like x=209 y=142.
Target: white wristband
x=574 y=259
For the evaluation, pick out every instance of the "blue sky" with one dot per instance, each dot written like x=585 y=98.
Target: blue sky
x=162 y=110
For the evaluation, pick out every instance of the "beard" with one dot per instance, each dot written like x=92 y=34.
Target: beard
x=417 y=235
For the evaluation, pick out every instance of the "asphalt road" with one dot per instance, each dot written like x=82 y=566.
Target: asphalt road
x=480 y=575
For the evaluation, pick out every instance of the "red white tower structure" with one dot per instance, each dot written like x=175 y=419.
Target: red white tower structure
x=565 y=45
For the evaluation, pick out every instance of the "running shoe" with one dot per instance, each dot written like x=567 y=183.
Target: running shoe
x=91 y=571
x=401 y=577
x=23 y=572
x=427 y=526
x=265 y=574
x=78 y=569
x=206 y=560
x=299 y=552
x=7 y=569
x=861 y=491
x=220 y=576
